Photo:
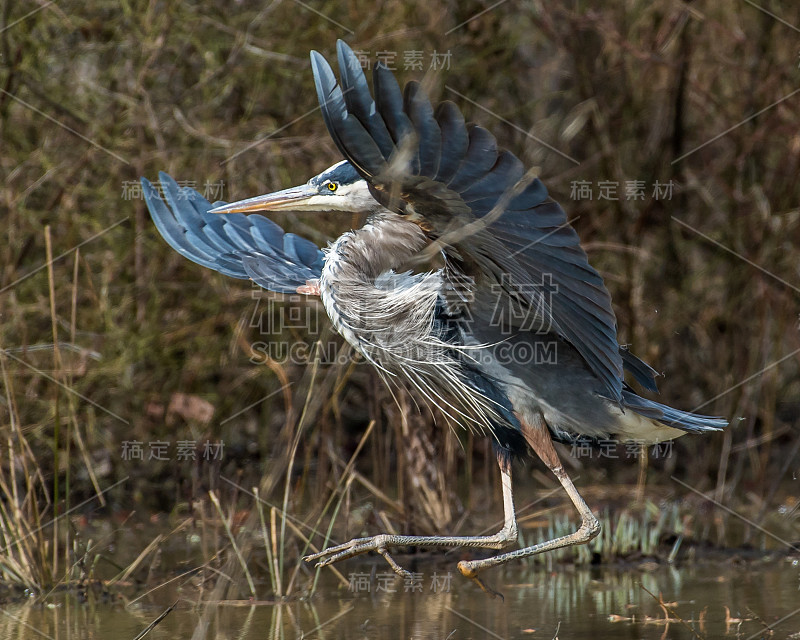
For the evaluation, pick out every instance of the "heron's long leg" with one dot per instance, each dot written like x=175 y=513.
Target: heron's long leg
x=381 y=543
x=538 y=437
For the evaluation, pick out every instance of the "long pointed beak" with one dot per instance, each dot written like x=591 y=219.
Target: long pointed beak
x=280 y=200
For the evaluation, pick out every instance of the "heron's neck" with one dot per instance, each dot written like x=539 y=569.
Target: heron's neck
x=384 y=243
x=365 y=300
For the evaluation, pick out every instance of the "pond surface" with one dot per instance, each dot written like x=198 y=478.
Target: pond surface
x=720 y=600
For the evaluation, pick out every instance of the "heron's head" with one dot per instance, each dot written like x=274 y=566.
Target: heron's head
x=338 y=188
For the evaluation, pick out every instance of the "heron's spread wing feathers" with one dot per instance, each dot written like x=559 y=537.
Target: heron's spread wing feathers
x=642 y=372
x=429 y=164
x=241 y=246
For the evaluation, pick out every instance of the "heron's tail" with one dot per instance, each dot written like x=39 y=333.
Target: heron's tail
x=684 y=420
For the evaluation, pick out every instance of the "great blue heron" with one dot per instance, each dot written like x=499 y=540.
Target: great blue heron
x=514 y=335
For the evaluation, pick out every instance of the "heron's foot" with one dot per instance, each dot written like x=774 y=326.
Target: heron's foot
x=469 y=570
x=355 y=547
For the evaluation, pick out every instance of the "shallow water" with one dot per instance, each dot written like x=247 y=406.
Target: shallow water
x=600 y=602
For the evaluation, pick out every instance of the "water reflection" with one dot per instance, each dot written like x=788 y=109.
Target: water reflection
x=707 y=601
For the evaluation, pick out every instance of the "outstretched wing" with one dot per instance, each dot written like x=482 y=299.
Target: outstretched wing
x=445 y=175
x=241 y=246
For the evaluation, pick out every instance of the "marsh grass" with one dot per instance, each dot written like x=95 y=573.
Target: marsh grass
x=24 y=509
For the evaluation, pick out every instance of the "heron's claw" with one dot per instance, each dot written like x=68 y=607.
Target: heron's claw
x=356 y=547
x=468 y=572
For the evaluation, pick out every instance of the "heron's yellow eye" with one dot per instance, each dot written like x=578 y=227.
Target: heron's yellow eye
x=332 y=186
